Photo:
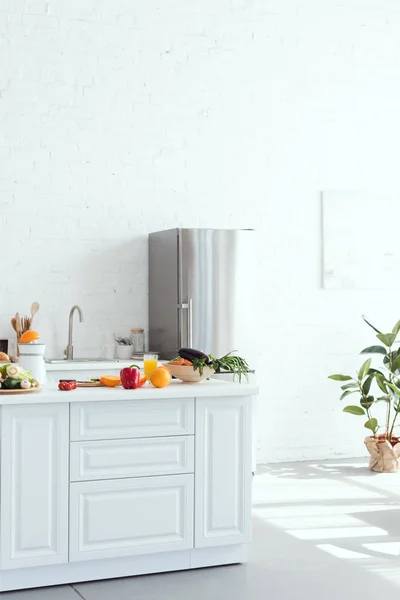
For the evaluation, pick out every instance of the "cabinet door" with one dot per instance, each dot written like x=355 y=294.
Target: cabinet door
x=34 y=485
x=130 y=516
x=223 y=475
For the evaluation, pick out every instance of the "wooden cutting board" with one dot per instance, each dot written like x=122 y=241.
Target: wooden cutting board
x=89 y=384
x=19 y=390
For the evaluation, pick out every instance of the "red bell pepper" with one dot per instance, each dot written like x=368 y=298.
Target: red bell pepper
x=130 y=377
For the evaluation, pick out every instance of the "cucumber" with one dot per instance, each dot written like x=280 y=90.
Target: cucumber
x=11 y=384
x=191 y=353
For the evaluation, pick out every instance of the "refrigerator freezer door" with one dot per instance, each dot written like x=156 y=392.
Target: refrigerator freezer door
x=163 y=293
x=216 y=290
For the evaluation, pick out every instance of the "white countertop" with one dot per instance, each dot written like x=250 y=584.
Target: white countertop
x=176 y=389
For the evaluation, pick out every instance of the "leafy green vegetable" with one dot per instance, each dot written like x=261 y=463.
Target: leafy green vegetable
x=228 y=363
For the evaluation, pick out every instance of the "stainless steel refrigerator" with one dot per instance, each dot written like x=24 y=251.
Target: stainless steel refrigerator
x=201 y=291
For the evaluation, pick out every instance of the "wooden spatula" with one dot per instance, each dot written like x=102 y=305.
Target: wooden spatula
x=34 y=308
x=18 y=323
x=14 y=324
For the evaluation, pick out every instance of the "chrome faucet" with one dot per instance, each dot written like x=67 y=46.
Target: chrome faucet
x=69 y=350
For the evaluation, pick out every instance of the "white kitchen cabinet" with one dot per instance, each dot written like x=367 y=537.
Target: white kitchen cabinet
x=130 y=516
x=34 y=485
x=102 y=483
x=223 y=471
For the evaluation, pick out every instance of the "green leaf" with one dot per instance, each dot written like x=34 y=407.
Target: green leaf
x=340 y=377
x=376 y=371
x=367 y=402
x=383 y=399
x=396 y=328
x=381 y=381
x=350 y=386
x=371 y=424
x=367 y=384
x=393 y=388
x=387 y=338
x=354 y=410
x=370 y=324
x=374 y=350
x=396 y=364
x=364 y=369
x=347 y=393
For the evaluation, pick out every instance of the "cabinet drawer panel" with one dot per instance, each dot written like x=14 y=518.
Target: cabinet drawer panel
x=115 y=459
x=130 y=516
x=131 y=419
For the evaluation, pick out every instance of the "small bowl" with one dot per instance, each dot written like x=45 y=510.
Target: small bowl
x=188 y=374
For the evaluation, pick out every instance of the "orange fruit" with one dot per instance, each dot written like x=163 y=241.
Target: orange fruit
x=160 y=377
x=110 y=380
x=29 y=336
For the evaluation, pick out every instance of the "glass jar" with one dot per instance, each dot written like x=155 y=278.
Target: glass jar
x=137 y=338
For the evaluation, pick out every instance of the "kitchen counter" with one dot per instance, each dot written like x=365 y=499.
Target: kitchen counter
x=176 y=389
x=104 y=482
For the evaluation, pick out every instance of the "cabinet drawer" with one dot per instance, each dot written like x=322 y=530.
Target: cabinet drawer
x=131 y=419
x=116 y=459
x=130 y=516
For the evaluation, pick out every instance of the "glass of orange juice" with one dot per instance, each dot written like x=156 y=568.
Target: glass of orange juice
x=150 y=360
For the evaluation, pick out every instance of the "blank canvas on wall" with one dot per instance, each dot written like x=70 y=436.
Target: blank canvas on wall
x=361 y=240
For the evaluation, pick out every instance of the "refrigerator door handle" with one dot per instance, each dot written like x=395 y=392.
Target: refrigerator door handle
x=190 y=323
x=181 y=307
x=189 y=307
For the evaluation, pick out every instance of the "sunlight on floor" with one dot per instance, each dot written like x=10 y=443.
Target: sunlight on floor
x=335 y=500
x=341 y=532
x=341 y=552
x=392 y=548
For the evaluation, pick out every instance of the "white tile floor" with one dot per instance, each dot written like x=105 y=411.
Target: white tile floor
x=327 y=530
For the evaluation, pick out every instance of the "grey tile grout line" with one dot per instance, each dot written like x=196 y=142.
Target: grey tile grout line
x=77 y=592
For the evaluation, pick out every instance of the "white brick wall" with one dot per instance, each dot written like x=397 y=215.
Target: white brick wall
x=119 y=118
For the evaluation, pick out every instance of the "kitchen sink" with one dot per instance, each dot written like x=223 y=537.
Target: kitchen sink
x=64 y=361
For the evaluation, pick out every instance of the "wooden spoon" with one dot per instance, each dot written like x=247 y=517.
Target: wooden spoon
x=24 y=324
x=14 y=324
x=18 y=322
x=34 y=308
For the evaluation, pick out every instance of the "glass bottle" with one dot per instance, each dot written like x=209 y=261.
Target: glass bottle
x=137 y=338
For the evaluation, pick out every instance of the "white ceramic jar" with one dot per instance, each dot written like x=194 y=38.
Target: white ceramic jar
x=31 y=358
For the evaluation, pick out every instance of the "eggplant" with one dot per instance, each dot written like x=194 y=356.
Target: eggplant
x=191 y=353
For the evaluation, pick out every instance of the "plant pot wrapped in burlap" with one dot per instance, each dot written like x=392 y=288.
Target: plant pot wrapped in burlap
x=384 y=454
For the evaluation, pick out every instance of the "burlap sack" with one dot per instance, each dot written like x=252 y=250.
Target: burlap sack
x=384 y=456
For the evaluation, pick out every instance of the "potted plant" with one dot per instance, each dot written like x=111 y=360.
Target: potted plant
x=372 y=386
